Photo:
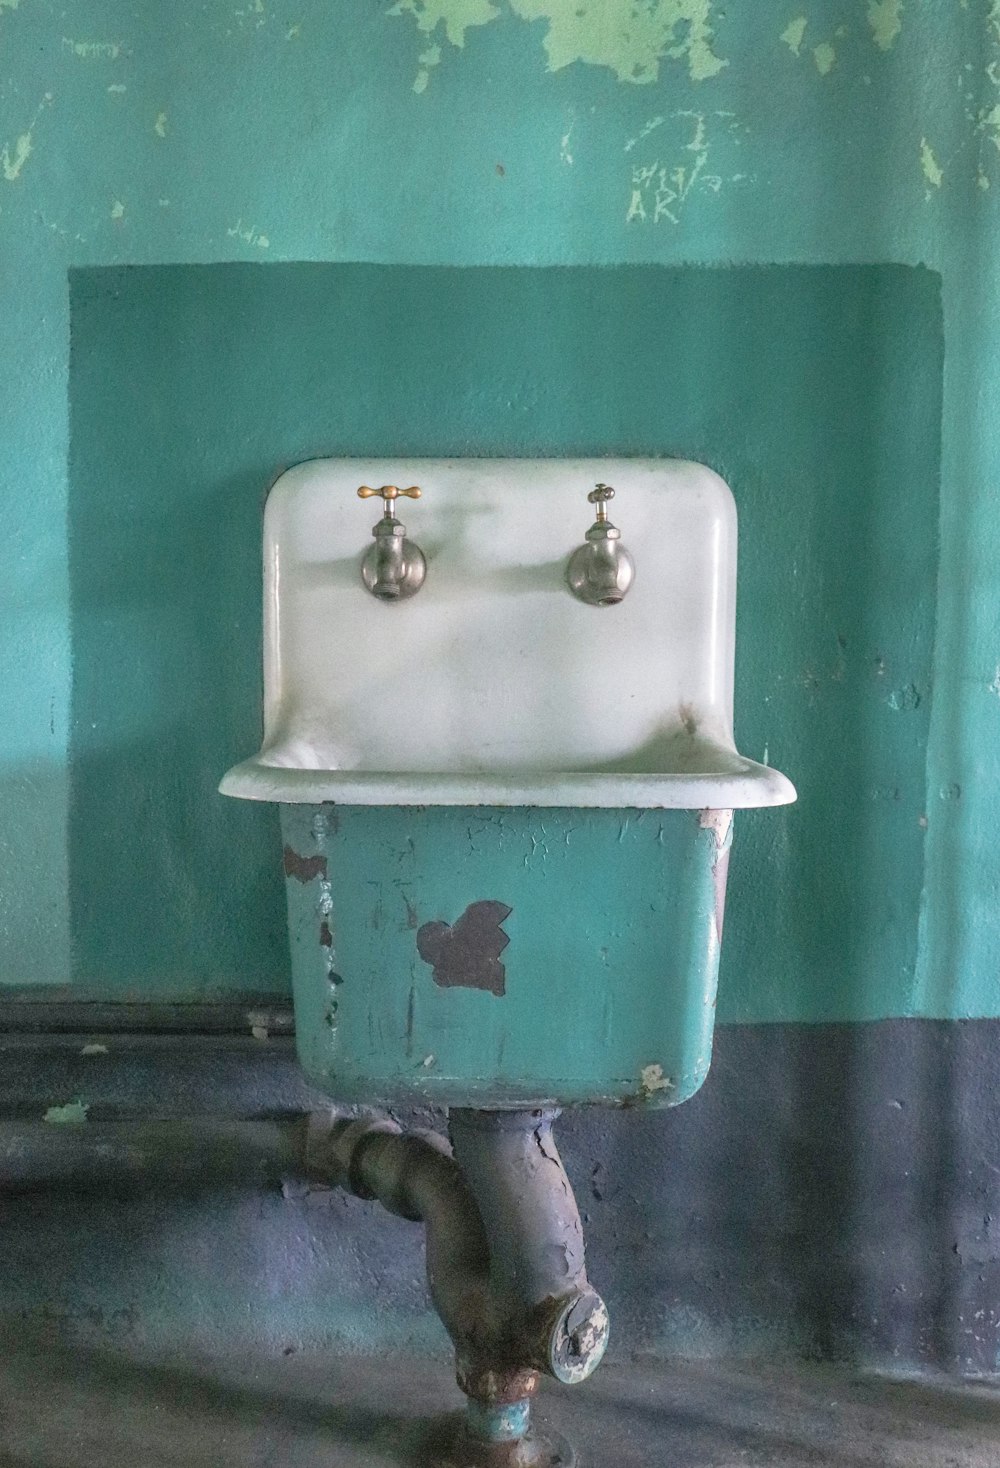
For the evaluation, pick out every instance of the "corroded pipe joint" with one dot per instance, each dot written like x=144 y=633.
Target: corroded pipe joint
x=548 y=1316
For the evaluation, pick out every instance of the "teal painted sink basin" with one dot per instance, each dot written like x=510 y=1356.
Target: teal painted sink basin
x=506 y=815
x=490 y=957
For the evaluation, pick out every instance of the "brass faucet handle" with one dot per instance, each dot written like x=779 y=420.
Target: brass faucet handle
x=599 y=496
x=389 y=492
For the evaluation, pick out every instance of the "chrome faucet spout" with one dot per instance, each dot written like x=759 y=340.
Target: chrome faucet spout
x=389 y=569
x=600 y=572
x=394 y=567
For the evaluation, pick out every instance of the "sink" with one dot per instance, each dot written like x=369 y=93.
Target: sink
x=506 y=815
x=493 y=686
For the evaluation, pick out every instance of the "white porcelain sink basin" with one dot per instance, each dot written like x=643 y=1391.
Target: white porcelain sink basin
x=493 y=685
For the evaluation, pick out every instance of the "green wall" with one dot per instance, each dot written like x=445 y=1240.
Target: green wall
x=471 y=134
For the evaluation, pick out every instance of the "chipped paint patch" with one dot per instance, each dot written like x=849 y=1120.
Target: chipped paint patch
x=9 y=4
x=428 y=59
x=117 y=209
x=160 y=125
x=74 y=1113
x=303 y=868
x=904 y=699
x=632 y=41
x=457 y=16
x=652 y=1079
x=94 y=1050
x=466 y=954
x=253 y=15
x=988 y=124
x=565 y=155
x=930 y=167
x=13 y=159
x=720 y=822
x=994 y=686
x=117 y=88
x=794 y=34
x=885 y=20
x=825 y=57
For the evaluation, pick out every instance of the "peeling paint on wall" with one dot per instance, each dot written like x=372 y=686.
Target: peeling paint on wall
x=632 y=41
x=13 y=160
x=794 y=34
x=930 y=167
x=14 y=156
x=885 y=20
x=824 y=56
x=74 y=1113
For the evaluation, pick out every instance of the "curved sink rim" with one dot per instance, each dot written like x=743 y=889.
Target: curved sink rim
x=749 y=786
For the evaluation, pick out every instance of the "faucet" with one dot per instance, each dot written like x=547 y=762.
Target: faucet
x=600 y=572
x=394 y=567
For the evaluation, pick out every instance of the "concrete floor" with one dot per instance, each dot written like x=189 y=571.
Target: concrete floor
x=86 y=1408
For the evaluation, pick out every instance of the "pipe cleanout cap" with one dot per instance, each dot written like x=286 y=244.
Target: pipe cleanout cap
x=578 y=1337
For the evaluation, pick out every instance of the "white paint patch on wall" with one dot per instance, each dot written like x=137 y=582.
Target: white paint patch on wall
x=632 y=40
x=885 y=19
x=15 y=155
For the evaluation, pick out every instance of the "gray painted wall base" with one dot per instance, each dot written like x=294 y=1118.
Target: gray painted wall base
x=833 y=1191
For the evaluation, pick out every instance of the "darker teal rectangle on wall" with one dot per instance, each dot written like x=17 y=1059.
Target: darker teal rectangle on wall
x=815 y=391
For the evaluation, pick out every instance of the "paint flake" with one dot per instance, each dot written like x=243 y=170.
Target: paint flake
x=932 y=170
x=160 y=125
x=824 y=56
x=74 y=1113
x=631 y=40
x=794 y=33
x=457 y=16
x=885 y=21
x=13 y=160
x=652 y=1079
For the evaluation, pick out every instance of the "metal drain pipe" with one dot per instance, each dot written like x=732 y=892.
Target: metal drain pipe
x=505 y=1256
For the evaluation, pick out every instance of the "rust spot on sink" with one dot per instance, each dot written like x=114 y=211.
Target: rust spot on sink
x=303 y=868
x=467 y=954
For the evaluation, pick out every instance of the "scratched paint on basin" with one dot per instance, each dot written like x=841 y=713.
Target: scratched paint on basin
x=505 y=956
